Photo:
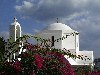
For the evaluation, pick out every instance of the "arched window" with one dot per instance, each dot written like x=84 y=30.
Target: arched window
x=52 y=39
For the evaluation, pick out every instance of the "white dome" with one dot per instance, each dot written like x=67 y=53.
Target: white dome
x=15 y=23
x=57 y=26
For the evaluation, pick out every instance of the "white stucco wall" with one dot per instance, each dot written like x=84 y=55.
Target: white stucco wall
x=12 y=32
x=89 y=54
x=18 y=31
x=48 y=34
x=69 y=42
x=15 y=32
x=71 y=61
x=77 y=43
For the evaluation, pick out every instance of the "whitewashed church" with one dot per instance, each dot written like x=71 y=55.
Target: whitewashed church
x=57 y=31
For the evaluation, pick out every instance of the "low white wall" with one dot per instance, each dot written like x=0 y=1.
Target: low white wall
x=89 y=55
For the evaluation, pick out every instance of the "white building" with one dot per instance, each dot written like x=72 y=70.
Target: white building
x=70 y=41
x=67 y=38
x=15 y=32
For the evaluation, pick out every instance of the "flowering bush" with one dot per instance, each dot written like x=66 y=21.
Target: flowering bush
x=86 y=70
x=39 y=59
x=48 y=63
x=36 y=60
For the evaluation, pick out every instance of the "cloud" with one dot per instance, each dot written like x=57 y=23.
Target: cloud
x=35 y=30
x=44 y=10
x=48 y=10
x=4 y=34
x=81 y=15
x=25 y=8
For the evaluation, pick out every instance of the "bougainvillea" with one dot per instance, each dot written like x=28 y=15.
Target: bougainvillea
x=38 y=59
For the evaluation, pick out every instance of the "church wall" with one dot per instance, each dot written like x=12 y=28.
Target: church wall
x=15 y=32
x=12 y=32
x=69 y=42
x=77 y=42
x=48 y=35
x=18 y=31
x=89 y=55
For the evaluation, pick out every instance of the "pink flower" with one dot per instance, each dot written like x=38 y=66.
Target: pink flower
x=29 y=47
x=63 y=70
x=1 y=73
x=66 y=69
x=97 y=73
x=32 y=73
x=38 y=61
x=83 y=73
x=24 y=55
x=17 y=66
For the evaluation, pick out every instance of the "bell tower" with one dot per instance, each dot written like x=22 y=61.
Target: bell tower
x=15 y=30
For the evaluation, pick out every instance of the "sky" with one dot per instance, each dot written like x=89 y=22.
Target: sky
x=34 y=15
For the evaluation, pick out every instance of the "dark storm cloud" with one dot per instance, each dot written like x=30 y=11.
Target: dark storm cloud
x=4 y=34
x=81 y=15
x=47 y=10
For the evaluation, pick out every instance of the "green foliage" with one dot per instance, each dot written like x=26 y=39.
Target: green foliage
x=86 y=69
x=2 y=48
x=41 y=59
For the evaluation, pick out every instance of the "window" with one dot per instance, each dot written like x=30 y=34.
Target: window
x=52 y=39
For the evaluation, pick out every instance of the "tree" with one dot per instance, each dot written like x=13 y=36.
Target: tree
x=2 y=48
x=38 y=59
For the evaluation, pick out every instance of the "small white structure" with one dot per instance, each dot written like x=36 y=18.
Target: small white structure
x=65 y=38
x=15 y=32
x=69 y=39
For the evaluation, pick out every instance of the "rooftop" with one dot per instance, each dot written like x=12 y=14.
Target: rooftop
x=57 y=26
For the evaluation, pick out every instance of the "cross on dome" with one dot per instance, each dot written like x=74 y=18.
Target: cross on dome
x=57 y=20
x=57 y=26
x=15 y=19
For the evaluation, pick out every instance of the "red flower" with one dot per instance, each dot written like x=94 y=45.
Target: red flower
x=38 y=61
x=1 y=73
x=32 y=73
x=17 y=66
x=83 y=73
x=66 y=69
x=63 y=70
x=29 y=47
x=24 y=55
x=97 y=73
